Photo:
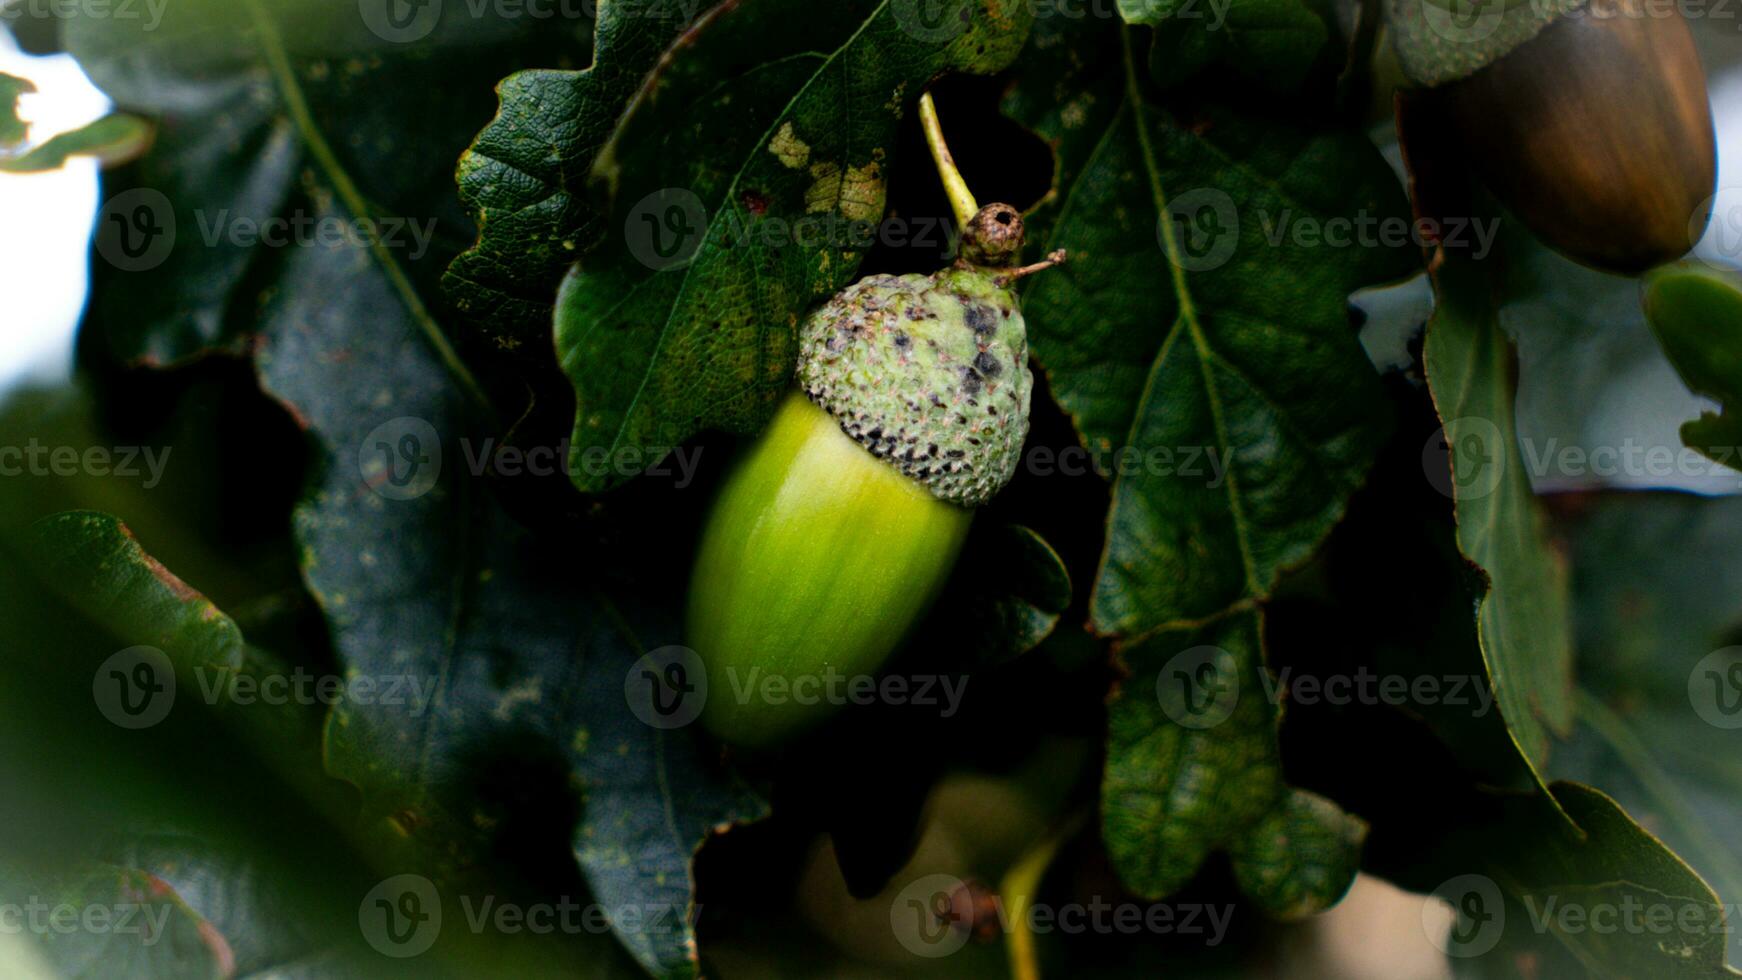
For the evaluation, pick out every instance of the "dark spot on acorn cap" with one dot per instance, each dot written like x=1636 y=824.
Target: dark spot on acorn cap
x=987 y=364
x=978 y=318
x=971 y=381
x=903 y=341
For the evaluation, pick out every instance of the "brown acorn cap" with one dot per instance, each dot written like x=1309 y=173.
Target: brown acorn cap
x=1597 y=133
x=994 y=237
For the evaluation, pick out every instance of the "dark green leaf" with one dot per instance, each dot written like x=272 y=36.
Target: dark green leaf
x=1300 y=858
x=1523 y=620
x=280 y=123
x=1190 y=326
x=1192 y=760
x=1004 y=598
x=1658 y=591
x=424 y=578
x=1180 y=327
x=1271 y=41
x=746 y=191
x=1581 y=872
x=1697 y=317
x=526 y=176
x=93 y=561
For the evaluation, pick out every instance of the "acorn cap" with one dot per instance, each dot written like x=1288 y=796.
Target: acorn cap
x=930 y=373
x=1440 y=41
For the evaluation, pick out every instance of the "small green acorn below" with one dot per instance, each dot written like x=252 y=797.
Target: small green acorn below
x=838 y=530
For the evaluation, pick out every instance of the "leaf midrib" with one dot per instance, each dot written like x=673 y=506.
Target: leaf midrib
x=277 y=57
x=1188 y=317
x=731 y=195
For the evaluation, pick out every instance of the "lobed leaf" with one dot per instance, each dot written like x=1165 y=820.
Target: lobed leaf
x=747 y=185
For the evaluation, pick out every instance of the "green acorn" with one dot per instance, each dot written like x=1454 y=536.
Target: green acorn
x=837 y=531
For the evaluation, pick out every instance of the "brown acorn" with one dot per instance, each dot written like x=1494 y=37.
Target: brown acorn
x=1597 y=133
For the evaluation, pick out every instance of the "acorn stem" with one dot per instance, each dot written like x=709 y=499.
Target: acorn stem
x=1054 y=257
x=961 y=199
